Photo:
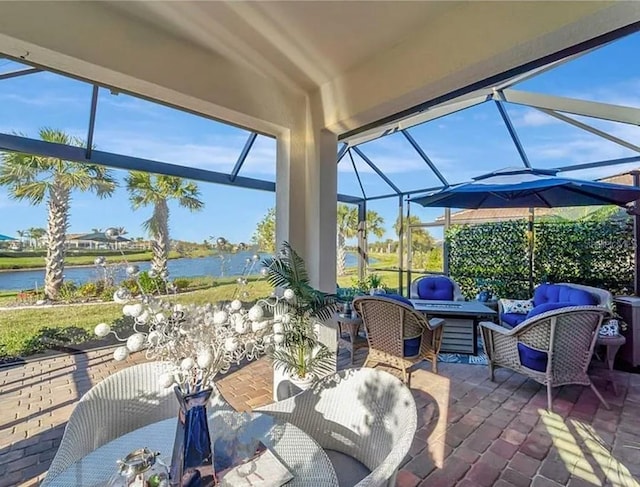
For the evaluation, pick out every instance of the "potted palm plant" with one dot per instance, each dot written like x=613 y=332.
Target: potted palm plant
x=298 y=352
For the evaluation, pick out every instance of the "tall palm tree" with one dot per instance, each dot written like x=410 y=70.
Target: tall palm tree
x=34 y=178
x=421 y=239
x=157 y=190
x=347 y=219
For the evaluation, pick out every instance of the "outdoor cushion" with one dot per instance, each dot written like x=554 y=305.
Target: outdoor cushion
x=558 y=293
x=435 y=287
x=400 y=298
x=531 y=358
x=518 y=306
x=543 y=308
x=348 y=470
x=513 y=319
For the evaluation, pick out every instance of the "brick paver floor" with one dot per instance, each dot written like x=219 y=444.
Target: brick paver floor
x=471 y=431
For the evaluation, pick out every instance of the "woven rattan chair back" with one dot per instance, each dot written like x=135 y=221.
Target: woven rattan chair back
x=388 y=322
x=364 y=413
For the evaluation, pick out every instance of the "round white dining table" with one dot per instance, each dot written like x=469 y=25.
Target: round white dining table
x=301 y=454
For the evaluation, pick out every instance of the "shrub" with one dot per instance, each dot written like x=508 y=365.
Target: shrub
x=107 y=293
x=181 y=284
x=151 y=285
x=68 y=291
x=90 y=289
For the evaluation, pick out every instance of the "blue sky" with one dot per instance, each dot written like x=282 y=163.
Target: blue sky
x=463 y=145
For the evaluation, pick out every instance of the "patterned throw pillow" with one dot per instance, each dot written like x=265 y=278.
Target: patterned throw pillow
x=518 y=306
x=610 y=328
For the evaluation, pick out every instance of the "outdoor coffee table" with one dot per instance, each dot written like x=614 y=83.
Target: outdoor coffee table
x=460 y=333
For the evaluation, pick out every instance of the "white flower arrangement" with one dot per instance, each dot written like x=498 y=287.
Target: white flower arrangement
x=200 y=341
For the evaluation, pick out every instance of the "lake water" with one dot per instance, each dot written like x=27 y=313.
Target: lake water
x=212 y=266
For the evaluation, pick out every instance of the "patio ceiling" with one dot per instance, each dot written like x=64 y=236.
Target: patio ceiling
x=255 y=64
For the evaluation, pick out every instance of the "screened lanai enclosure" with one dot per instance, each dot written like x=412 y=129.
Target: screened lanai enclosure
x=545 y=115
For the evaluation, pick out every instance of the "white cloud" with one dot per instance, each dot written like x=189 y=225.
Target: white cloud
x=533 y=118
x=218 y=153
x=44 y=99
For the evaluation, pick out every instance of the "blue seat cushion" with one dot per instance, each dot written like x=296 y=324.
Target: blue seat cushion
x=411 y=347
x=439 y=288
x=558 y=293
x=531 y=358
x=543 y=308
x=400 y=298
x=513 y=319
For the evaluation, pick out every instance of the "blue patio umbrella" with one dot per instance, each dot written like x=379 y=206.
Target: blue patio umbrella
x=528 y=188
x=5 y=237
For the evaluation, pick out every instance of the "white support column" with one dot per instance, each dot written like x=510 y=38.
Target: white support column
x=306 y=205
x=306 y=200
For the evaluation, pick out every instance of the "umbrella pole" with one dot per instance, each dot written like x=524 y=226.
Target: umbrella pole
x=400 y=249
x=636 y=238
x=530 y=245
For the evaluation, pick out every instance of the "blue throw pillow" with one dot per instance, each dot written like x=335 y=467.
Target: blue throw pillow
x=532 y=359
x=436 y=287
x=411 y=347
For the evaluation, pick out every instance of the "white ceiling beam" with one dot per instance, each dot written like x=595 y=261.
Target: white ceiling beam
x=591 y=129
x=603 y=111
x=426 y=116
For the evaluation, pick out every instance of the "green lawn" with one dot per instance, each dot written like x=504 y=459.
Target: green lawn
x=22 y=330
x=19 y=328
x=20 y=261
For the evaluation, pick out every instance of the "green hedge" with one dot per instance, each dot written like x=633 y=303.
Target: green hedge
x=496 y=255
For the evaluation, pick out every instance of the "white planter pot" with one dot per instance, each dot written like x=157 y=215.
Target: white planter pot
x=285 y=386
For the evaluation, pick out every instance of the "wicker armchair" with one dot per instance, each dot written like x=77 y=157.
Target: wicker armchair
x=364 y=419
x=552 y=348
x=123 y=402
x=391 y=325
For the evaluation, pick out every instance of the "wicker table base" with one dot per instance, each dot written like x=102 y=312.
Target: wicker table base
x=612 y=345
x=352 y=325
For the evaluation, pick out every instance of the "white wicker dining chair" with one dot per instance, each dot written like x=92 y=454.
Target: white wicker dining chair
x=553 y=348
x=123 y=402
x=364 y=419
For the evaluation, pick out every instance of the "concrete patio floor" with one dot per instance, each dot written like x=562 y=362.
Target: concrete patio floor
x=472 y=432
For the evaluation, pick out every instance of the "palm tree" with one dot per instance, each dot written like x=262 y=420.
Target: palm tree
x=156 y=190
x=34 y=178
x=347 y=219
x=22 y=234
x=421 y=239
x=36 y=234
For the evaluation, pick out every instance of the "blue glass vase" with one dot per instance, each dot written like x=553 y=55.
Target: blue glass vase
x=192 y=445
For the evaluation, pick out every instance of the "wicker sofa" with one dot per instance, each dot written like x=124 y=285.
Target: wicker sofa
x=547 y=297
